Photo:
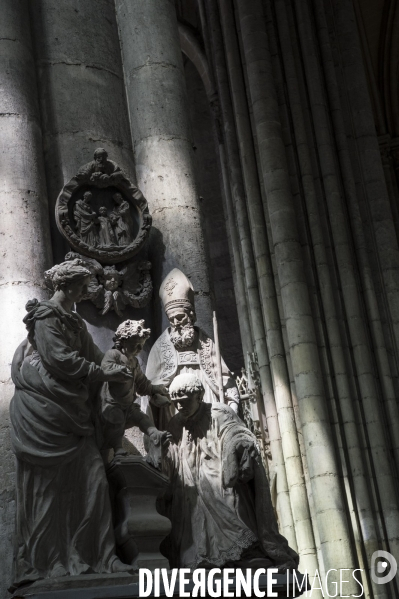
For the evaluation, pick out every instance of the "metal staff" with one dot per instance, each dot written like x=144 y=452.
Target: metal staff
x=218 y=358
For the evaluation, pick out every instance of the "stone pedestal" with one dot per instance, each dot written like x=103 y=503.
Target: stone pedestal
x=139 y=529
x=122 y=586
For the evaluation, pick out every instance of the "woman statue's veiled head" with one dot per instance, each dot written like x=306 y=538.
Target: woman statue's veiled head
x=67 y=273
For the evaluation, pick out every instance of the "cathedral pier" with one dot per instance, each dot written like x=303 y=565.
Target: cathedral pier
x=384 y=250
x=163 y=150
x=82 y=94
x=331 y=325
x=24 y=227
x=345 y=256
x=254 y=215
x=192 y=49
x=282 y=392
x=254 y=303
x=323 y=468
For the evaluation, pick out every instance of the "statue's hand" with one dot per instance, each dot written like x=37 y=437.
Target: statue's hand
x=101 y=179
x=95 y=176
x=161 y=389
x=118 y=374
x=160 y=401
x=160 y=396
x=159 y=438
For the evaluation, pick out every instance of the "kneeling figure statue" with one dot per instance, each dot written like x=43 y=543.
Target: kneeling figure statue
x=219 y=501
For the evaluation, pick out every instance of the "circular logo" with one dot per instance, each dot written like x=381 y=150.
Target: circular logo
x=383 y=570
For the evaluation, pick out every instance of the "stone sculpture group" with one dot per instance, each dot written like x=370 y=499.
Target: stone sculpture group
x=119 y=226
x=73 y=403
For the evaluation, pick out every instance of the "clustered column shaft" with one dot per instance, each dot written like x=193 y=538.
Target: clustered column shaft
x=323 y=470
x=335 y=351
x=252 y=219
x=24 y=226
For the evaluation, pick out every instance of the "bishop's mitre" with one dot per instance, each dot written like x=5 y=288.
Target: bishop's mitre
x=176 y=290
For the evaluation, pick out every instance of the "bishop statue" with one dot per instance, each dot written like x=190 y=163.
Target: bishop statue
x=185 y=348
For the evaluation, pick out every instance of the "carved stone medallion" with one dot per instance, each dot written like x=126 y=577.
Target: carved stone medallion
x=101 y=213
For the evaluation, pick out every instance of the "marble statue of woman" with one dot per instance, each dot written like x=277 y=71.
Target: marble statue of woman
x=64 y=521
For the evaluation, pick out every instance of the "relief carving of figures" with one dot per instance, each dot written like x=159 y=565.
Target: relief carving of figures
x=101 y=171
x=185 y=348
x=86 y=220
x=106 y=234
x=102 y=229
x=101 y=213
x=122 y=220
x=112 y=289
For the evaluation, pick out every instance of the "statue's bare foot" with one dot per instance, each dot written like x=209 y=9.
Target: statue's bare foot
x=118 y=566
x=120 y=452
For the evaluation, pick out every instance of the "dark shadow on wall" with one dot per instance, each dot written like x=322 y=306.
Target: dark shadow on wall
x=213 y=219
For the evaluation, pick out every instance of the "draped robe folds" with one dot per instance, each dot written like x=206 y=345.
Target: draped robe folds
x=106 y=235
x=216 y=519
x=124 y=227
x=85 y=223
x=64 y=521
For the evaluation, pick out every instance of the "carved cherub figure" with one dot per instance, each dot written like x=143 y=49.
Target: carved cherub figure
x=112 y=289
x=118 y=410
x=111 y=280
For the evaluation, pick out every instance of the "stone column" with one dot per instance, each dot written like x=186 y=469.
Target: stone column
x=237 y=264
x=81 y=89
x=385 y=243
x=337 y=370
x=157 y=101
x=381 y=454
x=323 y=469
x=252 y=230
x=24 y=229
x=362 y=362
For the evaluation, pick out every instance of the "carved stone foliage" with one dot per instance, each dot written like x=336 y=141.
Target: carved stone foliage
x=102 y=214
x=249 y=388
x=113 y=289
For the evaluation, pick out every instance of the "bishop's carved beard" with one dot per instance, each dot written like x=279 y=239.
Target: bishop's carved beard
x=182 y=337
